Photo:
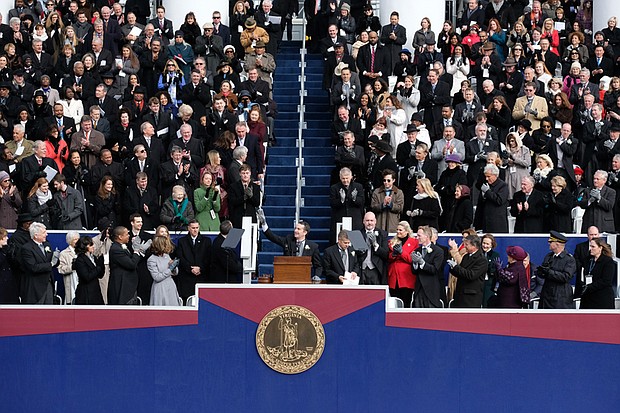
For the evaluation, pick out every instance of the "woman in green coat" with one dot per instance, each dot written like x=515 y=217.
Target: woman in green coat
x=208 y=202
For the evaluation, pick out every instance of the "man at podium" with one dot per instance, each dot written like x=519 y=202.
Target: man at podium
x=295 y=245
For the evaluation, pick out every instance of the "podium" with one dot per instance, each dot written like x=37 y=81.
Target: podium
x=292 y=270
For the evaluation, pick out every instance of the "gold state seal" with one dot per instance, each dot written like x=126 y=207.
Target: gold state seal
x=290 y=339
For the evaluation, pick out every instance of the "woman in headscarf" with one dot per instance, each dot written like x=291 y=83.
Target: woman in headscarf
x=514 y=288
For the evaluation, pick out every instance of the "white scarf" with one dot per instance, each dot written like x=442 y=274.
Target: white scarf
x=43 y=197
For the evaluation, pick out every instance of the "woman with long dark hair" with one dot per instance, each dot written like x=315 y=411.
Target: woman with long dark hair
x=107 y=201
x=89 y=270
x=40 y=202
x=599 y=273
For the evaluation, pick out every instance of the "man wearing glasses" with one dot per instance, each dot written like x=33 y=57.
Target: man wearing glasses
x=220 y=29
x=530 y=107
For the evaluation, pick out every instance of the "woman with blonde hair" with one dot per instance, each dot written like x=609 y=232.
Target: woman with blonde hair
x=425 y=207
x=543 y=173
x=397 y=121
x=519 y=162
x=162 y=268
x=549 y=32
x=401 y=279
x=172 y=80
x=558 y=207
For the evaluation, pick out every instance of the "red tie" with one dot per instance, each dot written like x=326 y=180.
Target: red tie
x=40 y=162
x=372 y=59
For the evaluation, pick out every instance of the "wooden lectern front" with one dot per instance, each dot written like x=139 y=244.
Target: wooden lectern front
x=292 y=270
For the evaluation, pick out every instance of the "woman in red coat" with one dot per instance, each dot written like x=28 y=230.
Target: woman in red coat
x=400 y=272
x=57 y=148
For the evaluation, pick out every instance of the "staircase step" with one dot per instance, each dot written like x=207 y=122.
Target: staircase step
x=291 y=180
x=288 y=190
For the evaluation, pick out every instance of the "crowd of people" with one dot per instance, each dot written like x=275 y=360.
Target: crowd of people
x=114 y=117
x=115 y=121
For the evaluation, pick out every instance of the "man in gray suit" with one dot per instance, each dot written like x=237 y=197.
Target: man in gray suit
x=445 y=146
x=599 y=204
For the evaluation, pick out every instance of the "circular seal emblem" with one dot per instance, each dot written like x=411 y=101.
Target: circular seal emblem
x=290 y=339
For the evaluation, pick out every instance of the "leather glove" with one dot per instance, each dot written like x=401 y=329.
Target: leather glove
x=485 y=187
x=451 y=263
x=411 y=172
x=595 y=194
x=249 y=192
x=371 y=238
x=609 y=144
x=354 y=194
x=420 y=174
x=416 y=212
x=55 y=257
x=482 y=155
x=397 y=249
x=343 y=195
x=542 y=271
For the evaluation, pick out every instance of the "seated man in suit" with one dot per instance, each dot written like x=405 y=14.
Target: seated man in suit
x=340 y=262
x=295 y=244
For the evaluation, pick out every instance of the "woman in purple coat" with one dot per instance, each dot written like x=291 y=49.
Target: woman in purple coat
x=514 y=289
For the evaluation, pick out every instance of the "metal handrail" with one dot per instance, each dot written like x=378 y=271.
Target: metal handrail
x=302 y=93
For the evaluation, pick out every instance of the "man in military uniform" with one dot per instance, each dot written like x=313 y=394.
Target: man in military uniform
x=557 y=269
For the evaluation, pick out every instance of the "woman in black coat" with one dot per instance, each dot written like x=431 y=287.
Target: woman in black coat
x=461 y=214
x=40 y=202
x=446 y=186
x=89 y=270
x=558 y=206
x=602 y=269
x=9 y=291
x=425 y=208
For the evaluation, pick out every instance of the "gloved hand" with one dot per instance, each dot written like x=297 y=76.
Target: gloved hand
x=451 y=263
x=397 y=249
x=416 y=258
x=416 y=212
x=65 y=218
x=609 y=144
x=50 y=203
x=542 y=271
x=176 y=219
x=260 y=215
x=595 y=194
x=135 y=243
x=411 y=172
x=612 y=177
x=485 y=187
x=482 y=155
x=372 y=239
x=249 y=192
x=497 y=263
x=420 y=174
x=343 y=195
x=55 y=257
x=537 y=176
x=354 y=194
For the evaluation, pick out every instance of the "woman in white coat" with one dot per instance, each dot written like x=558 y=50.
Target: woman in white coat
x=162 y=268
x=409 y=96
x=396 y=121
x=458 y=66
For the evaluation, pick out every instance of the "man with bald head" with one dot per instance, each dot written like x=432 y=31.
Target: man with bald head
x=373 y=61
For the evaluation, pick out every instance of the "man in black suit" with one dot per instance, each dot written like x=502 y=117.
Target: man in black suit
x=123 y=284
x=191 y=147
x=295 y=244
x=141 y=162
x=42 y=63
x=240 y=153
x=448 y=118
x=259 y=89
x=226 y=266
x=393 y=36
x=339 y=261
x=104 y=59
x=465 y=112
x=111 y=29
x=137 y=106
x=219 y=119
x=598 y=201
x=582 y=259
x=161 y=121
x=142 y=198
x=163 y=26
x=347 y=200
x=154 y=147
x=561 y=151
x=339 y=57
x=194 y=254
x=220 y=29
x=243 y=197
x=351 y=156
x=384 y=161
x=372 y=61
x=427 y=262
x=139 y=240
x=346 y=123
x=417 y=167
x=177 y=171
x=107 y=166
x=476 y=152
x=328 y=44
x=527 y=207
x=579 y=90
x=197 y=94
x=374 y=260
x=263 y=16
x=406 y=150
x=107 y=104
x=255 y=156
x=470 y=275
x=83 y=87
x=599 y=64
x=33 y=167
x=346 y=92
x=434 y=95
x=65 y=124
x=37 y=259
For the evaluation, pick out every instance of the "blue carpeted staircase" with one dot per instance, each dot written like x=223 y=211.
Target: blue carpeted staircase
x=281 y=176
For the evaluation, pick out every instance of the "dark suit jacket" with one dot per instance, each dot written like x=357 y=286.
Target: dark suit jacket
x=471 y=150
x=352 y=207
x=330 y=65
x=354 y=125
x=568 y=151
x=531 y=220
x=166 y=33
x=88 y=290
x=156 y=152
x=334 y=267
x=387 y=162
x=364 y=60
x=327 y=43
x=433 y=101
x=430 y=278
x=255 y=156
x=582 y=258
x=393 y=47
x=163 y=122
x=460 y=131
x=198 y=98
x=223 y=32
x=123 y=284
x=222 y=260
x=109 y=107
x=134 y=202
x=217 y=124
x=599 y=213
x=105 y=62
x=45 y=66
x=169 y=178
x=600 y=293
x=31 y=171
x=289 y=246
x=492 y=213
x=470 y=281
x=379 y=257
x=37 y=275
x=606 y=64
x=194 y=147
x=132 y=167
x=68 y=126
x=239 y=206
x=259 y=90
x=189 y=255
x=113 y=33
